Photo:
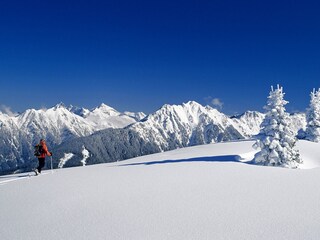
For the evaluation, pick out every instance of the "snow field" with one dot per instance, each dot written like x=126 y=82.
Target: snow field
x=201 y=192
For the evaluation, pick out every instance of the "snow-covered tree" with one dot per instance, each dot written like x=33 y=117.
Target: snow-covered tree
x=276 y=140
x=313 y=117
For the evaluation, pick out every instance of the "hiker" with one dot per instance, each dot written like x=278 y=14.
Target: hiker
x=43 y=152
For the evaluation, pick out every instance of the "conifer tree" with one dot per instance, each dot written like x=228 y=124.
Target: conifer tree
x=276 y=140
x=313 y=117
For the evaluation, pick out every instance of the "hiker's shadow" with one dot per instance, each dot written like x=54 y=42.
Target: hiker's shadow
x=224 y=158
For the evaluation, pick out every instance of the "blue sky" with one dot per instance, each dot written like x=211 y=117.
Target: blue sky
x=139 y=55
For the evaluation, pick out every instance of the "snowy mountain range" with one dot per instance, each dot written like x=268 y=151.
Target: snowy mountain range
x=108 y=135
x=171 y=127
x=19 y=133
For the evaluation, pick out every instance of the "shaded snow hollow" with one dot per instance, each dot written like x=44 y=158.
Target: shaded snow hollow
x=201 y=192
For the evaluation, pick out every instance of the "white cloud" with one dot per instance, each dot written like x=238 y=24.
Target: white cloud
x=7 y=110
x=216 y=102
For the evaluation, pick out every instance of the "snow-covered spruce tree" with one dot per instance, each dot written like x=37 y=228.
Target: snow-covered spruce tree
x=313 y=117
x=276 y=140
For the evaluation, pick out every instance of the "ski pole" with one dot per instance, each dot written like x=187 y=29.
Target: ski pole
x=51 y=165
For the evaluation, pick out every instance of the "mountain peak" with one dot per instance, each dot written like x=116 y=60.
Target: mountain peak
x=59 y=105
x=193 y=106
x=249 y=114
x=105 y=108
x=192 y=103
x=189 y=104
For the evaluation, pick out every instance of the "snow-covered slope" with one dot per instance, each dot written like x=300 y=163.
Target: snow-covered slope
x=188 y=124
x=60 y=123
x=249 y=122
x=298 y=123
x=55 y=124
x=104 y=117
x=83 y=112
x=136 y=115
x=10 y=142
x=201 y=192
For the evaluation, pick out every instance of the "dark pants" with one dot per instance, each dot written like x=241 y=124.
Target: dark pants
x=41 y=164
